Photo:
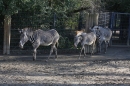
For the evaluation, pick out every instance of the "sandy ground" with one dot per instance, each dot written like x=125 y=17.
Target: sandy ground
x=111 y=69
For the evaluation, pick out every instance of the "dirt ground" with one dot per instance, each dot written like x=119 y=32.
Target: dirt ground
x=111 y=69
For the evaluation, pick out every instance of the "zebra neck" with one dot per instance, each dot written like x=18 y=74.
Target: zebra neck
x=31 y=39
x=81 y=38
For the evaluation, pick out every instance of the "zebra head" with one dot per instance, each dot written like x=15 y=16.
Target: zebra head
x=77 y=39
x=23 y=37
x=96 y=30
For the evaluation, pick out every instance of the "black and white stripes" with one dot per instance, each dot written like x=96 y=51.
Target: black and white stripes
x=39 y=37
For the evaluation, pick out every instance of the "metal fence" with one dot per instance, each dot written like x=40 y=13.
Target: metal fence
x=120 y=25
x=65 y=42
x=104 y=19
x=66 y=35
x=118 y=22
x=21 y=21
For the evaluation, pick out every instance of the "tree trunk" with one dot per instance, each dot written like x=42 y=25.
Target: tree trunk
x=91 y=20
x=7 y=34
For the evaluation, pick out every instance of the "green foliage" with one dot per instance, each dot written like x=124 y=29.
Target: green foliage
x=41 y=12
x=65 y=42
x=44 y=13
x=62 y=42
x=10 y=7
x=117 y=5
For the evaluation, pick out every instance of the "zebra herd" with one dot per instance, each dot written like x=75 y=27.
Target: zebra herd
x=98 y=34
x=51 y=37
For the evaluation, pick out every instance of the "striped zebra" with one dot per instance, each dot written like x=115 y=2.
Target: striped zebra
x=85 y=39
x=39 y=37
x=103 y=35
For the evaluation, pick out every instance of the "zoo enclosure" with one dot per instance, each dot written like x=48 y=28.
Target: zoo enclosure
x=119 y=23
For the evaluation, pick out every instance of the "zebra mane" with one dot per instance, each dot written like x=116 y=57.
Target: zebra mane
x=92 y=26
x=29 y=30
x=81 y=38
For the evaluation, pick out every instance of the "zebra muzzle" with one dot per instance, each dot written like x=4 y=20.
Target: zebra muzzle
x=20 y=45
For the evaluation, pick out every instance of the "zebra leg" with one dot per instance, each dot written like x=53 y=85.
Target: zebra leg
x=34 y=54
x=35 y=46
x=92 y=48
x=106 y=45
x=55 y=49
x=84 y=52
x=81 y=51
x=100 y=47
x=51 y=51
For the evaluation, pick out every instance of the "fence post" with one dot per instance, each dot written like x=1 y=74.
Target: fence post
x=80 y=23
x=96 y=16
x=112 y=18
x=54 y=20
x=7 y=34
x=87 y=22
x=128 y=40
x=91 y=20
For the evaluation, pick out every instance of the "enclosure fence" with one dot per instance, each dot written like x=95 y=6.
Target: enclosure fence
x=119 y=23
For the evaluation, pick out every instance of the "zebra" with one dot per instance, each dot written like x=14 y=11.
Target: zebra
x=103 y=35
x=39 y=37
x=85 y=39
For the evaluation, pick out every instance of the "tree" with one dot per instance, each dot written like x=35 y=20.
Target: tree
x=117 y=5
x=8 y=8
x=66 y=13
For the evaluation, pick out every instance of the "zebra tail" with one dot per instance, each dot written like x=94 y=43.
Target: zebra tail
x=57 y=44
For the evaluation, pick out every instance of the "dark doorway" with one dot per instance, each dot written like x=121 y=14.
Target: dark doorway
x=120 y=27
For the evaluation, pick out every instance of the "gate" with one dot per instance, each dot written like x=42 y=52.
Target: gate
x=119 y=23
x=120 y=26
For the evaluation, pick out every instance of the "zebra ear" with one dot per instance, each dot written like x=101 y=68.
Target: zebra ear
x=83 y=30
x=78 y=32
x=90 y=28
x=20 y=31
x=75 y=32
